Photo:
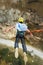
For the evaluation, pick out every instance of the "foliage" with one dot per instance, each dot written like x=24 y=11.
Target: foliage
x=7 y=58
x=18 y=61
x=4 y=52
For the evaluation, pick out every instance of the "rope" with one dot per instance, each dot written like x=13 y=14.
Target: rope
x=41 y=30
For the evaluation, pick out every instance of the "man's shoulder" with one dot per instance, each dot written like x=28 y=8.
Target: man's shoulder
x=24 y=24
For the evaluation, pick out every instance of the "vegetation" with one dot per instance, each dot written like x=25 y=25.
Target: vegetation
x=7 y=58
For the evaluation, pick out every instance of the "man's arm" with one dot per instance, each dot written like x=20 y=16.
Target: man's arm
x=29 y=32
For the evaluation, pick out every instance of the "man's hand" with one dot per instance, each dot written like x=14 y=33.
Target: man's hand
x=31 y=35
x=29 y=32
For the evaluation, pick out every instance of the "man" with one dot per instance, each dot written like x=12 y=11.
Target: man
x=21 y=29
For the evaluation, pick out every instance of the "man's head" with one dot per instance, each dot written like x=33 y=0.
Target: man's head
x=21 y=20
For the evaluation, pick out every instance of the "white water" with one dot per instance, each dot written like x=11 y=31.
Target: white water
x=29 y=48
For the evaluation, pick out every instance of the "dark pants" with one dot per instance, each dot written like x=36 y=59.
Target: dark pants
x=21 y=37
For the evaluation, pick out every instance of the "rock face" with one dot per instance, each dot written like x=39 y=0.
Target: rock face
x=14 y=14
x=34 y=4
x=11 y=15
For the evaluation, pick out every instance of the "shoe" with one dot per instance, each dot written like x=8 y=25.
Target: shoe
x=16 y=53
x=25 y=57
